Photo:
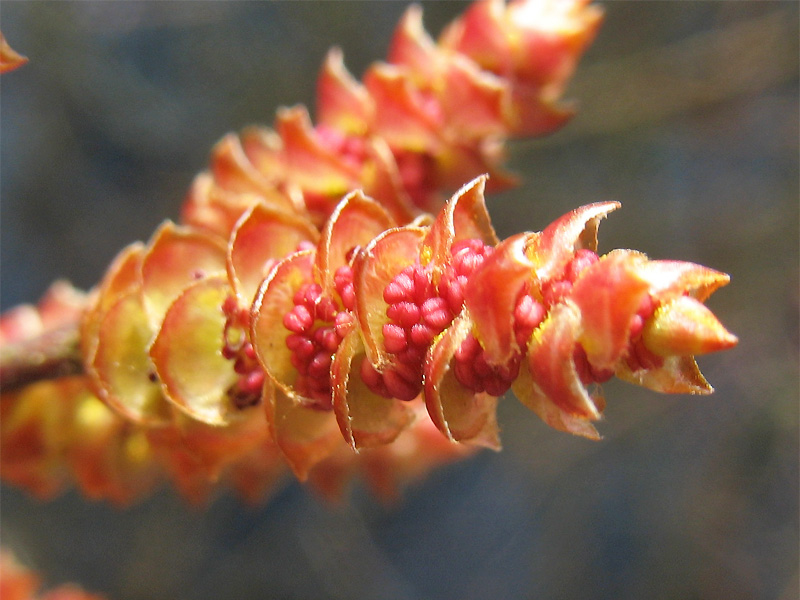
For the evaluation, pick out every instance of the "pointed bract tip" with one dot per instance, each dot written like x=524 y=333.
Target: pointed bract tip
x=686 y=327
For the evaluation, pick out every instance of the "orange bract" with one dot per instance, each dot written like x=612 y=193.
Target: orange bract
x=10 y=59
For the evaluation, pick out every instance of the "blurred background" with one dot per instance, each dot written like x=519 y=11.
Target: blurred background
x=688 y=115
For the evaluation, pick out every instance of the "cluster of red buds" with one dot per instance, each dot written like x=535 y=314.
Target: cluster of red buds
x=290 y=319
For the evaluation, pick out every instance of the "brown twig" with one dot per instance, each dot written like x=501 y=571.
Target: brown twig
x=53 y=354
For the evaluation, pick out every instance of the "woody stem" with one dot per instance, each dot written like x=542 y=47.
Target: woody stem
x=51 y=355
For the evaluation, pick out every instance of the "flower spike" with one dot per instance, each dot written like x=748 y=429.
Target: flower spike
x=363 y=328
x=323 y=306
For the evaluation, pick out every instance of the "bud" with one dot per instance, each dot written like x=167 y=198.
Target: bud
x=684 y=327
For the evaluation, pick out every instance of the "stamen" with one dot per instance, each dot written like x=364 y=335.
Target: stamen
x=528 y=315
x=435 y=313
x=343 y=283
x=343 y=323
x=472 y=369
x=400 y=386
x=394 y=338
x=418 y=311
x=400 y=288
x=555 y=290
x=583 y=258
x=467 y=255
x=373 y=379
x=586 y=372
x=475 y=373
x=639 y=356
x=405 y=314
x=299 y=320
x=236 y=347
x=318 y=326
x=421 y=335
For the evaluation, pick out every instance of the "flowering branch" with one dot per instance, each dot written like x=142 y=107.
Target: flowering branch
x=320 y=295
